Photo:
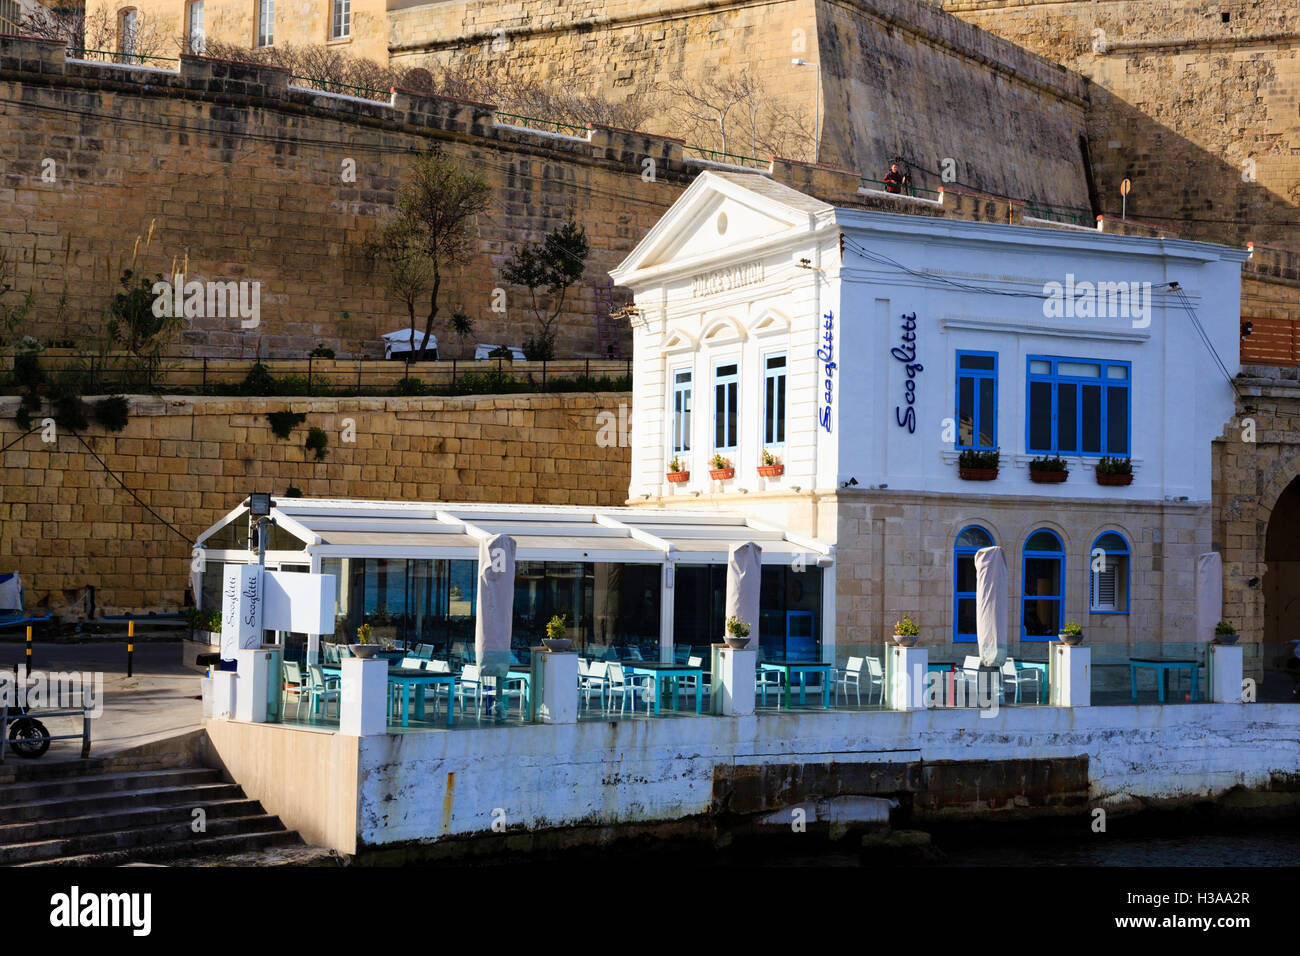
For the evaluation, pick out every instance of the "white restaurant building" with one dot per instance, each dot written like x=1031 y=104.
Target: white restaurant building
x=866 y=350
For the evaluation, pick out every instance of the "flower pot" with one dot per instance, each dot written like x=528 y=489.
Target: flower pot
x=364 y=651
x=1073 y=640
x=1226 y=638
x=678 y=476
x=1115 y=480
x=906 y=640
x=770 y=471
x=722 y=474
x=737 y=643
x=976 y=474
x=1048 y=477
x=557 y=643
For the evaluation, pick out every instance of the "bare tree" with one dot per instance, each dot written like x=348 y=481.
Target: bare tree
x=408 y=272
x=100 y=31
x=712 y=108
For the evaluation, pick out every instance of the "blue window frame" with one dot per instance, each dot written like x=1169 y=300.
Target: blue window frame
x=977 y=400
x=726 y=387
x=1108 y=566
x=1043 y=573
x=971 y=539
x=1076 y=406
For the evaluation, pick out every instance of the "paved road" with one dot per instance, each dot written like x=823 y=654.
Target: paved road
x=154 y=702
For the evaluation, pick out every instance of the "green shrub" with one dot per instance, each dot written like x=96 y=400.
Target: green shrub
x=1048 y=464
x=976 y=458
x=317 y=441
x=282 y=423
x=27 y=370
x=258 y=381
x=70 y=412
x=540 y=349
x=293 y=492
x=410 y=386
x=1115 y=466
x=112 y=412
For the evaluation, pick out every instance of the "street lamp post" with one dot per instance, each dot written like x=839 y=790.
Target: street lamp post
x=817 y=104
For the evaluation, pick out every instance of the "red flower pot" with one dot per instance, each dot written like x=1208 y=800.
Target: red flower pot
x=770 y=471
x=976 y=474
x=1115 y=479
x=722 y=474
x=678 y=476
x=1048 y=477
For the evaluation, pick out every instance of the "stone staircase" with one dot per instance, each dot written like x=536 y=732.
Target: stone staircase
x=93 y=813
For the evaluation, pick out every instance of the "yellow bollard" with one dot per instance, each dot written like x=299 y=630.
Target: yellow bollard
x=130 y=646
x=29 y=650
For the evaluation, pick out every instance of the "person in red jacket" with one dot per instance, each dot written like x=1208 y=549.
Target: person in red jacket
x=895 y=180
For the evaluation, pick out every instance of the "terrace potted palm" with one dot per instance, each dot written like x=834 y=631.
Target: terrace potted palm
x=906 y=632
x=555 y=639
x=720 y=468
x=1071 y=634
x=976 y=465
x=677 y=471
x=737 y=636
x=1048 y=471
x=1114 y=471
x=771 y=466
x=1225 y=633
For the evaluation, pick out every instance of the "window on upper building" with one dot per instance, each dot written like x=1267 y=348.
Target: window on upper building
x=194 y=27
x=963 y=558
x=127 y=31
x=341 y=19
x=265 y=22
x=774 y=400
x=977 y=400
x=11 y=15
x=682 y=398
x=1078 y=406
x=726 y=388
x=1108 y=575
x=1044 y=570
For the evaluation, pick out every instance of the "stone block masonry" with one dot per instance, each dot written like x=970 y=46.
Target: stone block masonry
x=66 y=524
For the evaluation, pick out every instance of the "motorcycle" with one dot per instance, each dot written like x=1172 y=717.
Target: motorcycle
x=28 y=737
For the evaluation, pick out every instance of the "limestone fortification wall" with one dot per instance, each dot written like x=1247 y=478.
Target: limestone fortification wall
x=65 y=523
x=898 y=77
x=1185 y=97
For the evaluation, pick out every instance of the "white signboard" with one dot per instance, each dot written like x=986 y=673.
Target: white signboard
x=298 y=602
x=241 y=609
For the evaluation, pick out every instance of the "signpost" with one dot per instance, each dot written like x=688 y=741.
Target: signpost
x=1124 y=188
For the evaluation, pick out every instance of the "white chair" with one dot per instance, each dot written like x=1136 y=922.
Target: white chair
x=470 y=684
x=875 y=678
x=318 y=689
x=687 y=684
x=294 y=683
x=852 y=674
x=624 y=686
x=1018 y=677
x=596 y=681
x=966 y=681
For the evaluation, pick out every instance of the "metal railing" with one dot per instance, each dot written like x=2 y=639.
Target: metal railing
x=334 y=86
x=732 y=159
x=83 y=712
x=315 y=376
x=117 y=56
x=535 y=122
x=908 y=190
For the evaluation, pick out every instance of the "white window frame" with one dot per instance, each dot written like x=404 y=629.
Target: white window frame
x=732 y=379
x=265 y=23
x=340 y=19
x=782 y=375
x=128 y=28
x=679 y=438
x=194 y=34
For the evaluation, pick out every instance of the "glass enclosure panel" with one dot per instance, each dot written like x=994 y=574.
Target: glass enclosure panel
x=1092 y=419
x=1040 y=416
x=790 y=609
x=1117 y=421
x=1067 y=418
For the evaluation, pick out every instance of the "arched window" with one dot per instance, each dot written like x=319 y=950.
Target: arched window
x=1108 y=575
x=1044 y=571
x=968 y=542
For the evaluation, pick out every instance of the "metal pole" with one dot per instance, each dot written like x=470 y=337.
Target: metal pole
x=29 y=650
x=130 y=647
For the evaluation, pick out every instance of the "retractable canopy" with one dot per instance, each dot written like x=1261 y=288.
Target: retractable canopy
x=327 y=527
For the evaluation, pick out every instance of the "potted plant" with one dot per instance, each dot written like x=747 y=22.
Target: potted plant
x=1048 y=471
x=720 y=468
x=555 y=639
x=906 y=632
x=365 y=634
x=771 y=466
x=976 y=465
x=677 y=471
x=205 y=626
x=1114 y=471
x=1225 y=633
x=737 y=633
x=365 y=648
x=1071 y=634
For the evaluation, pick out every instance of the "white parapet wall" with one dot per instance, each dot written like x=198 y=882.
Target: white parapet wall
x=354 y=793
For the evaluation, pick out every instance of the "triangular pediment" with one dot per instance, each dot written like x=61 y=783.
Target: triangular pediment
x=719 y=215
